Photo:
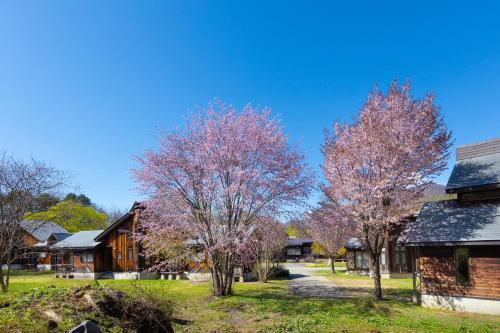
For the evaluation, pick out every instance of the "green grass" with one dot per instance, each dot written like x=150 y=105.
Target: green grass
x=254 y=307
x=362 y=285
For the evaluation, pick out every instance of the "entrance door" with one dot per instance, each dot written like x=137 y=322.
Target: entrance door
x=107 y=259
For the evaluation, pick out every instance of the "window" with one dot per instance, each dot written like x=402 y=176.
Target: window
x=291 y=251
x=130 y=254
x=462 y=265
x=400 y=255
x=361 y=260
x=87 y=257
x=382 y=257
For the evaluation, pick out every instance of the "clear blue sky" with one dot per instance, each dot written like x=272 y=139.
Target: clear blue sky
x=84 y=85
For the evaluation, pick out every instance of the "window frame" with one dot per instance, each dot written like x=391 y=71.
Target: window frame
x=84 y=257
x=382 y=257
x=130 y=253
x=364 y=258
x=462 y=280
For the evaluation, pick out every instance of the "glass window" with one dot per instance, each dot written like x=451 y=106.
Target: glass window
x=130 y=254
x=87 y=257
x=462 y=265
x=382 y=257
x=361 y=260
x=291 y=251
x=400 y=255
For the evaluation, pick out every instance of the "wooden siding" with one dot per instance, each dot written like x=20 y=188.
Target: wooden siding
x=438 y=273
x=29 y=240
x=120 y=240
x=478 y=149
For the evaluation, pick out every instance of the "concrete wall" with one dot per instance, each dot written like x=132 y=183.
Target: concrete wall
x=396 y=275
x=199 y=276
x=463 y=304
x=14 y=267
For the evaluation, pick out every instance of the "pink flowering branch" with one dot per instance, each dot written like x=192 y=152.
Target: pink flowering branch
x=213 y=179
x=382 y=161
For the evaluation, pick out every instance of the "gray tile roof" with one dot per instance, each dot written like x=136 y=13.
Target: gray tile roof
x=449 y=222
x=41 y=230
x=79 y=240
x=354 y=244
x=59 y=236
x=475 y=171
x=299 y=241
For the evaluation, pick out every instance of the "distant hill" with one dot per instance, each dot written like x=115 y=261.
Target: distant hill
x=436 y=192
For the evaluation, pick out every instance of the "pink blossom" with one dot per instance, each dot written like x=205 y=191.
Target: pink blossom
x=382 y=161
x=216 y=177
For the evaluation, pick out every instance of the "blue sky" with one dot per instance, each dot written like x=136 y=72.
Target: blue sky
x=85 y=85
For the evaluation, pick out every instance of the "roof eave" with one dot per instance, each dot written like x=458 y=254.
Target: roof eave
x=117 y=223
x=451 y=243
x=452 y=190
x=73 y=248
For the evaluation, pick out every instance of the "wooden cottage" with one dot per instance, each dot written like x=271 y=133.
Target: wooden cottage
x=298 y=248
x=34 y=252
x=457 y=242
x=79 y=255
x=110 y=253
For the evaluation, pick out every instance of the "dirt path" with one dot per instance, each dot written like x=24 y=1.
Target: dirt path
x=303 y=282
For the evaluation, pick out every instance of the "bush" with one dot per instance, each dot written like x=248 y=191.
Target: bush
x=278 y=272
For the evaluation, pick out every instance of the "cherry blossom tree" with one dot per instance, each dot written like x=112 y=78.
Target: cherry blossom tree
x=331 y=226
x=269 y=241
x=213 y=179
x=383 y=160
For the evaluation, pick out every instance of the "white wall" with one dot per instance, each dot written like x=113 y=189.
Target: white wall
x=463 y=304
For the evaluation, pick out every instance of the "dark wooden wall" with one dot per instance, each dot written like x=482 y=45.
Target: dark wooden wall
x=437 y=268
x=120 y=241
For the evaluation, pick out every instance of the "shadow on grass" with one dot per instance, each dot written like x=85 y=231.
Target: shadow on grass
x=276 y=299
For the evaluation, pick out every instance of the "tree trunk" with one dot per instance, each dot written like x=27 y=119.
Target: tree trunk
x=332 y=264
x=4 y=278
x=2 y=281
x=222 y=275
x=377 y=293
x=7 y=276
x=266 y=270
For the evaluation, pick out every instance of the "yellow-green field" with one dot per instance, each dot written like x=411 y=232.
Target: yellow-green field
x=255 y=307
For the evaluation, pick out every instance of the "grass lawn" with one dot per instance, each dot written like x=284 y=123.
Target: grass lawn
x=255 y=307
x=363 y=285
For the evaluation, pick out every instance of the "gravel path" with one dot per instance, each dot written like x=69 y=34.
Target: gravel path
x=303 y=282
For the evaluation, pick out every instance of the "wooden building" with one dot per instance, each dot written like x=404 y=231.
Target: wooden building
x=34 y=254
x=110 y=253
x=79 y=255
x=457 y=242
x=298 y=248
x=395 y=260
